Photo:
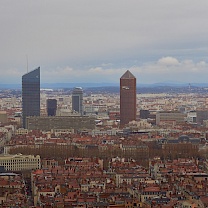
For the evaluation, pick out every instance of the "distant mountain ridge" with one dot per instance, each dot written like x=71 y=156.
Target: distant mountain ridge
x=94 y=85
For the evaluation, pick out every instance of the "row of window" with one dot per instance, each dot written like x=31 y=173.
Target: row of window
x=14 y=162
x=20 y=160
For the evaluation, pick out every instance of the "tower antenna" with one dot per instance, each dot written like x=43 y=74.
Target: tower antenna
x=27 y=63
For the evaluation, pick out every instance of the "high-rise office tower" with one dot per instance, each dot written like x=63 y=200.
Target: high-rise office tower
x=51 y=107
x=30 y=95
x=127 y=98
x=77 y=100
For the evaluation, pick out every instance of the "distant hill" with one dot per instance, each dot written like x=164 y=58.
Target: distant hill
x=60 y=85
x=114 y=87
x=10 y=86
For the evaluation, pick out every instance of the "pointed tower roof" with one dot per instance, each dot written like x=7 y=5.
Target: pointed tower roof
x=128 y=75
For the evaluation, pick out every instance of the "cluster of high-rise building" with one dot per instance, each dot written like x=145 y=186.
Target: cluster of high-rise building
x=31 y=98
x=107 y=109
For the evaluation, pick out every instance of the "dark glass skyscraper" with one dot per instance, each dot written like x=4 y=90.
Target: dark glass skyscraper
x=77 y=100
x=51 y=107
x=127 y=98
x=30 y=95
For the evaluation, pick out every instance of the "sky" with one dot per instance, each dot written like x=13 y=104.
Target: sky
x=96 y=41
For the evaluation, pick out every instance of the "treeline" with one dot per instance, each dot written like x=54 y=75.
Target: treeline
x=61 y=152
x=142 y=155
x=173 y=150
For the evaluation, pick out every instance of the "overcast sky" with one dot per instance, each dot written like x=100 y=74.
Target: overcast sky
x=97 y=41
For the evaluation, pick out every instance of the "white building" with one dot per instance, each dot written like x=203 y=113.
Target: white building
x=191 y=117
x=20 y=162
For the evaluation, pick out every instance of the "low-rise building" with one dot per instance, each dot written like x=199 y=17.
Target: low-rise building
x=20 y=162
x=21 y=131
x=170 y=116
x=3 y=117
x=47 y=123
x=12 y=190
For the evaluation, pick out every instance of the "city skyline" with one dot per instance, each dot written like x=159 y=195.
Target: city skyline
x=81 y=42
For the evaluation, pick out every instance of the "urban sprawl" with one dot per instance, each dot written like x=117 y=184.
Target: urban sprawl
x=74 y=148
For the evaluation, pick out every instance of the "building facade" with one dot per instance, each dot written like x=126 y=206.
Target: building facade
x=201 y=115
x=30 y=95
x=51 y=107
x=48 y=123
x=20 y=162
x=127 y=98
x=144 y=114
x=3 y=117
x=171 y=117
x=77 y=100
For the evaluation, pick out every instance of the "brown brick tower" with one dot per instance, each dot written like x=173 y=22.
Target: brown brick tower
x=127 y=98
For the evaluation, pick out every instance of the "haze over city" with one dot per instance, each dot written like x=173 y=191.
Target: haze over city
x=97 y=41
x=103 y=104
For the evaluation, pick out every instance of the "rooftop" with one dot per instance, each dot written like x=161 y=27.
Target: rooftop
x=128 y=75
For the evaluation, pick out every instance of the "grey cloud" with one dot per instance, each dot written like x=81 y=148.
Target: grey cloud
x=75 y=33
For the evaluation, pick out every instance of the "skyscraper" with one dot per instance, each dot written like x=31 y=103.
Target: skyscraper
x=51 y=107
x=127 y=98
x=77 y=99
x=30 y=95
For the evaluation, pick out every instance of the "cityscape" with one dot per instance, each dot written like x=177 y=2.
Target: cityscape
x=103 y=104
x=78 y=148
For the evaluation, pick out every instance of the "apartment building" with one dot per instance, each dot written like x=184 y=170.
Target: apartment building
x=20 y=162
x=170 y=116
x=47 y=123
